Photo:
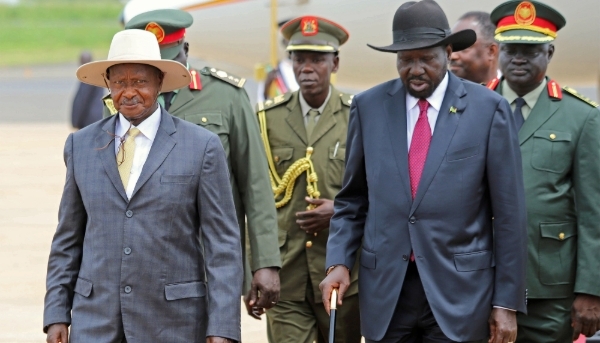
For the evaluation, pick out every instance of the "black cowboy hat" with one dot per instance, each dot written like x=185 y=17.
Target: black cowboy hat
x=423 y=24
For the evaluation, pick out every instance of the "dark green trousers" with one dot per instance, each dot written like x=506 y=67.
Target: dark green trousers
x=307 y=322
x=546 y=321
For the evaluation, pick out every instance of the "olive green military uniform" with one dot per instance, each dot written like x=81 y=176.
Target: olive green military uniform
x=300 y=307
x=219 y=104
x=560 y=148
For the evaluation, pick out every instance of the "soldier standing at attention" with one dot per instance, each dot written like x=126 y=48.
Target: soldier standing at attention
x=304 y=133
x=217 y=102
x=560 y=147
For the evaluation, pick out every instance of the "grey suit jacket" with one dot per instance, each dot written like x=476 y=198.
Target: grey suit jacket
x=164 y=266
x=472 y=173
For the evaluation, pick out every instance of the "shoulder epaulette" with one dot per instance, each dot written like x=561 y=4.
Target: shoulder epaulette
x=493 y=84
x=276 y=101
x=196 y=83
x=554 y=90
x=580 y=97
x=108 y=102
x=225 y=76
x=346 y=99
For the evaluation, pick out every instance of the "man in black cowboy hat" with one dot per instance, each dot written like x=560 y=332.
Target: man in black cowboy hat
x=430 y=159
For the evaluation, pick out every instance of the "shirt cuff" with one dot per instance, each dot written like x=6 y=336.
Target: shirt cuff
x=504 y=308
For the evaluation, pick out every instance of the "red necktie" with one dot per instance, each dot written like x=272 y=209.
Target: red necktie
x=417 y=154
x=419 y=146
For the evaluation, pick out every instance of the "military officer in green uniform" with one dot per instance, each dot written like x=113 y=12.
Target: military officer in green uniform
x=560 y=146
x=216 y=101
x=305 y=138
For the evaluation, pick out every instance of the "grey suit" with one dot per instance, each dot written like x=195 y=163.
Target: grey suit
x=164 y=266
x=472 y=173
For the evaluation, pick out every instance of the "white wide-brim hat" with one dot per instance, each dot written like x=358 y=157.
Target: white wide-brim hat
x=135 y=46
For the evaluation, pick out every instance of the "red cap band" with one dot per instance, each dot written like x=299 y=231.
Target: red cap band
x=173 y=37
x=538 y=22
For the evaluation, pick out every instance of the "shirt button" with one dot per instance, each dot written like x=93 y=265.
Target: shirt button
x=405 y=257
x=127 y=251
x=127 y=289
x=309 y=244
x=412 y=220
x=129 y=213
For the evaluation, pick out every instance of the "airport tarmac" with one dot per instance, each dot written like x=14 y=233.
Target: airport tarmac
x=34 y=123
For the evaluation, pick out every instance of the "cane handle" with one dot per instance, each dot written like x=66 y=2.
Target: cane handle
x=334 y=295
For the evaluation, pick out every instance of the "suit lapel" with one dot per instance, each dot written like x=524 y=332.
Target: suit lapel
x=161 y=147
x=295 y=119
x=105 y=142
x=542 y=111
x=446 y=125
x=327 y=118
x=395 y=114
x=183 y=97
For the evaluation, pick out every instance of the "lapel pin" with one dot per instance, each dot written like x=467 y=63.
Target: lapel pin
x=452 y=109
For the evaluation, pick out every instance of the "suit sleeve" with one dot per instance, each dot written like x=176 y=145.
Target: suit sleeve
x=222 y=247
x=66 y=249
x=586 y=173
x=249 y=166
x=352 y=202
x=505 y=181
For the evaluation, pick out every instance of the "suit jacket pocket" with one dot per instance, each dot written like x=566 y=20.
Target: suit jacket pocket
x=368 y=259
x=557 y=252
x=194 y=289
x=551 y=151
x=176 y=178
x=83 y=287
x=471 y=261
x=462 y=154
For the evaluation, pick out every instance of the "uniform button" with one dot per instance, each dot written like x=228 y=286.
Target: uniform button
x=308 y=244
x=412 y=220
x=552 y=136
x=561 y=236
x=405 y=257
x=129 y=213
x=127 y=251
x=127 y=289
x=204 y=120
x=276 y=159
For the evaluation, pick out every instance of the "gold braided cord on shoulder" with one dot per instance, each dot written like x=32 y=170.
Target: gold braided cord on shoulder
x=283 y=187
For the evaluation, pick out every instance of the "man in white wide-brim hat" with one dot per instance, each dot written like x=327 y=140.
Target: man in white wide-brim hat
x=126 y=263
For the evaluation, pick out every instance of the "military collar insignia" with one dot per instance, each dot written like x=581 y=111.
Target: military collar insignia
x=554 y=90
x=493 y=84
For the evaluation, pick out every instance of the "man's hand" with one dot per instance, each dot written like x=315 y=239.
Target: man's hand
x=317 y=219
x=265 y=281
x=585 y=315
x=338 y=278
x=58 y=333
x=503 y=326
x=213 y=339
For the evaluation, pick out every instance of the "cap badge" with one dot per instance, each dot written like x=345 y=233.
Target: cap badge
x=157 y=30
x=309 y=26
x=525 y=13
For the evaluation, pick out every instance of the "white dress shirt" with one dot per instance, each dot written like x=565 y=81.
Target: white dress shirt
x=305 y=107
x=435 y=103
x=143 y=143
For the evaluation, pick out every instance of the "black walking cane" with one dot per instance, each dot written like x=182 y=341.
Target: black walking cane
x=332 y=314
